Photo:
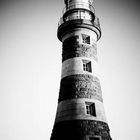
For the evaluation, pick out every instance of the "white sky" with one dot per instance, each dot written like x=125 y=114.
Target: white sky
x=30 y=67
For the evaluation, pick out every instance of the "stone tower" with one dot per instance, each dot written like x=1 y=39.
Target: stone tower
x=80 y=112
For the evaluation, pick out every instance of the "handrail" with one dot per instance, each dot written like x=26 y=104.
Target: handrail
x=96 y=22
x=76 y=5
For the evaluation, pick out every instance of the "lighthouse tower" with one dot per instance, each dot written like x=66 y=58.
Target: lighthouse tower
x=80 y=112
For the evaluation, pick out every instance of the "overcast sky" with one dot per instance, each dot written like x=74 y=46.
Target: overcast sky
x=30 y=67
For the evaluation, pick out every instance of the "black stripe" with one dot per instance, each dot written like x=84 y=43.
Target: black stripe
x=80 y=86
x=72 y=48
x=80 y=130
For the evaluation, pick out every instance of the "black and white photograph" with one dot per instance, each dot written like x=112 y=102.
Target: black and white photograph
x=69 y=69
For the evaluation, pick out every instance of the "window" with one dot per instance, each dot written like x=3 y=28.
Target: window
x=86 y=38
x=87 y=66
x=90 y=109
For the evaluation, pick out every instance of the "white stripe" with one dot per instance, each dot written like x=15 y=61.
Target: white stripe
x=75 y=109
x=74 y=66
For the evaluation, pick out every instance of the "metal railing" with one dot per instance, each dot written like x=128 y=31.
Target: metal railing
x=95 y=22
x=76 y=5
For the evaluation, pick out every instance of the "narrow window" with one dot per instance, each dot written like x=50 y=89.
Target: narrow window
x=90 y=109
x=87 y=66
x=86 y=38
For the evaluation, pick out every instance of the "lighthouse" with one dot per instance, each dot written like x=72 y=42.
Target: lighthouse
x=80 y=112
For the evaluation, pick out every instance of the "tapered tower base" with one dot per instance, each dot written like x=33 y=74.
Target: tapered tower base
x=81 y=130
x=80 y=112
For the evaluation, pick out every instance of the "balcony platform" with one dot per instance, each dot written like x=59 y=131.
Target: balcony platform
x=66 y=26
